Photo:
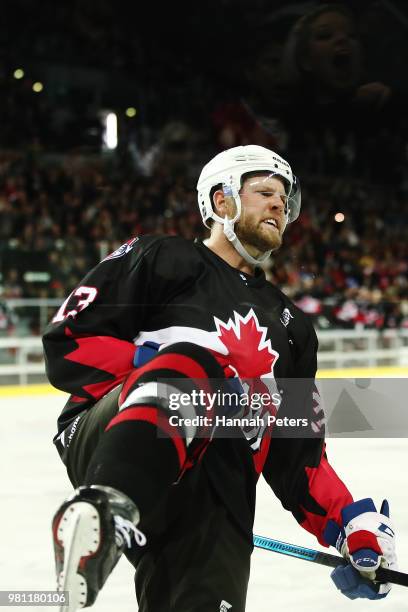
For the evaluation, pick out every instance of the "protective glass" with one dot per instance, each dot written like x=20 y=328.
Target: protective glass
x=295 y=200
x=290 y=196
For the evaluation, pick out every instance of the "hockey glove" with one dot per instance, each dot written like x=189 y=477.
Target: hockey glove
x=366 y=540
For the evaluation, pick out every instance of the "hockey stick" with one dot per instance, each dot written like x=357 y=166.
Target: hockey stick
x=308 y=554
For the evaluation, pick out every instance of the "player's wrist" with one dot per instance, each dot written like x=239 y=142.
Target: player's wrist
x=334 y=535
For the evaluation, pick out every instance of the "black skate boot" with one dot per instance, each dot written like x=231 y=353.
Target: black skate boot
x=91 y=530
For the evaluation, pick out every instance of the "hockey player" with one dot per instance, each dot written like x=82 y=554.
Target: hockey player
x=177 y=495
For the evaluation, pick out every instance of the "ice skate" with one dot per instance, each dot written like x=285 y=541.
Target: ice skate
x=91 y=530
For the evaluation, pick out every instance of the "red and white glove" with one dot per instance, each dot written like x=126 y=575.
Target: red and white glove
x=367 y=540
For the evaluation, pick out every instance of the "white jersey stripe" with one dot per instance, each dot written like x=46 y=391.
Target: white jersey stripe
x=178 y=333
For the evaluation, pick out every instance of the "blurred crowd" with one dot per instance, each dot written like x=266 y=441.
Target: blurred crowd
x=57 y=220
x=319 y=91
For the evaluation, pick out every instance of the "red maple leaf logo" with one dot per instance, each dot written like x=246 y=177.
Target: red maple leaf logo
x=250 y=354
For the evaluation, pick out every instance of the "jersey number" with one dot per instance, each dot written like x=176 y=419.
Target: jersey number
x=87 y=293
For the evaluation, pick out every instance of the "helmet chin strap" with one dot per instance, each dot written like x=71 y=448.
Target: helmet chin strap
x=232 y=237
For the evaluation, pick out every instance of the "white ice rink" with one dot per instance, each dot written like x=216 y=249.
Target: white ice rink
x=33 y=483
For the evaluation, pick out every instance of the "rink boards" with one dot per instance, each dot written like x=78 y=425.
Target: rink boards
x=374 y=372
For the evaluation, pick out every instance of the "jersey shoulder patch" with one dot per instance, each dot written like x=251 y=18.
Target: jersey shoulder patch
x=122 y=250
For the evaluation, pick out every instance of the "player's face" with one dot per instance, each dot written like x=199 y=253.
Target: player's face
x=263 y=219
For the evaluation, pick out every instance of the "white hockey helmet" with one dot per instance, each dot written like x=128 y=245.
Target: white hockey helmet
x=227 y=168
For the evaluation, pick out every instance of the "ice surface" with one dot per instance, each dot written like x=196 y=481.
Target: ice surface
x=34 y=483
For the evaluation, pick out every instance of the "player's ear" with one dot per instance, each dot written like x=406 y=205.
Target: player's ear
x=220 y=202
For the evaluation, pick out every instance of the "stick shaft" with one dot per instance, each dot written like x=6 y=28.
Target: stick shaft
x=315 y=556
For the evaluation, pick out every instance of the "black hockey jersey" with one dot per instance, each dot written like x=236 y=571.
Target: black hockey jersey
x=163 y=290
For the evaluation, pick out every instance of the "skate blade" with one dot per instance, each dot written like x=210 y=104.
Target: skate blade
x=79 y=534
